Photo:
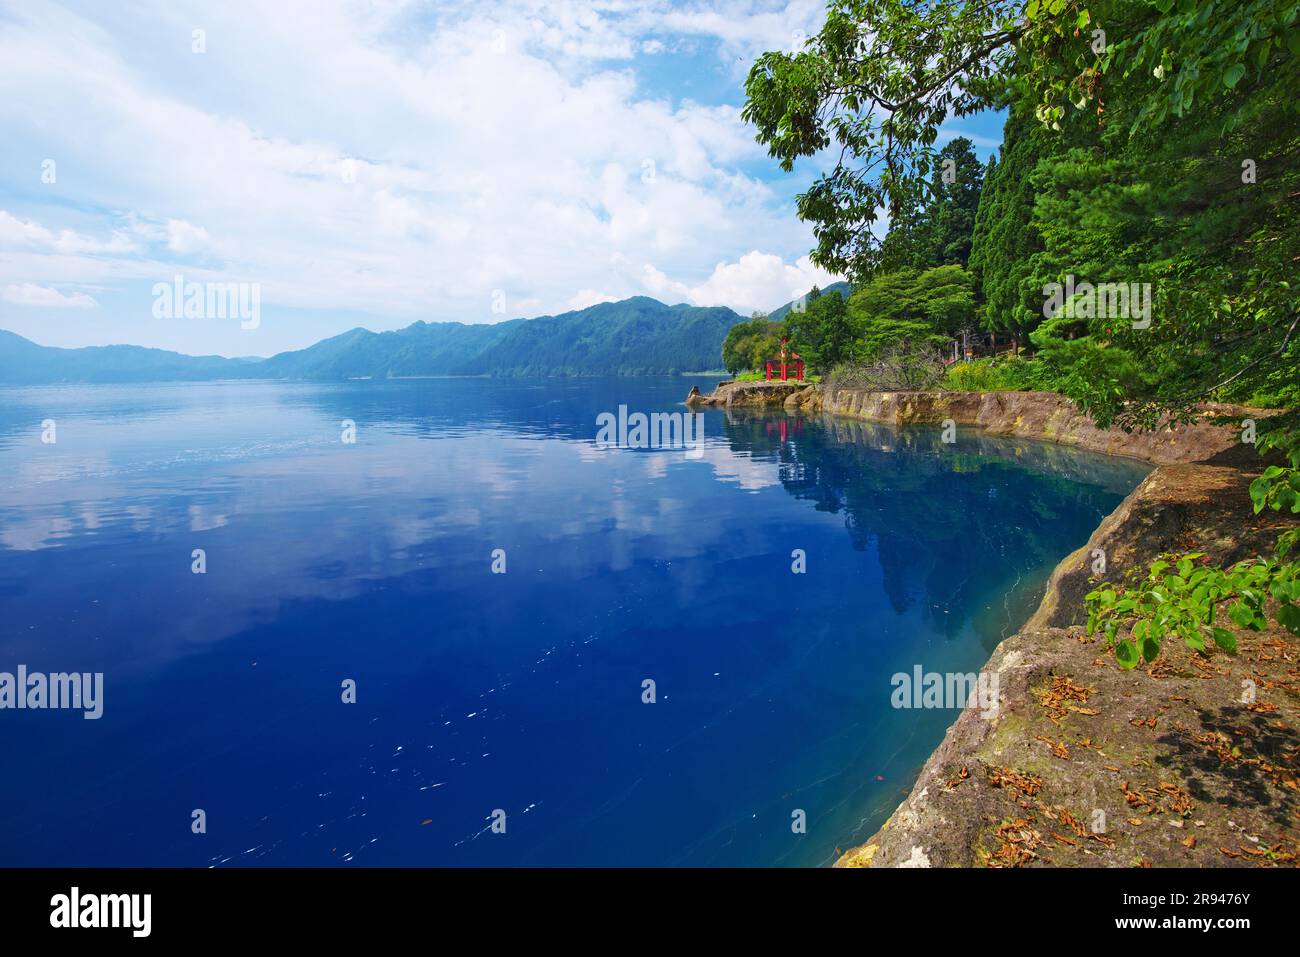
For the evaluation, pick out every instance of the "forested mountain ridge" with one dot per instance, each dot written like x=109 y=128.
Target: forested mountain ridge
x=637 y=336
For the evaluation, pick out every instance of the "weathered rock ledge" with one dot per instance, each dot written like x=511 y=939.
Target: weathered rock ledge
x=1032 y=415
x=1192 y=761
x=731 y=394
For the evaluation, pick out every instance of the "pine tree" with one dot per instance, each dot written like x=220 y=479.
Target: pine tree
x=956 y=186
x=937 y=231
x=1004 y=236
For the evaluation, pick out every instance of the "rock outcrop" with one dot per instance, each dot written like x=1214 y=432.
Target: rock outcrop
x=1036 y=415
x=754 y=394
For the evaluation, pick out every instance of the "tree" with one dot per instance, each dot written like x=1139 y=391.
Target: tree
x=1004 y=236
x=955 y=186
x=877 y=82
x=923 y=306
x=938 y=232
x=1217 y=246
x=822 y=333
x=1201 y=212
x=907 y=244
x=749 y=344
x=882 y=76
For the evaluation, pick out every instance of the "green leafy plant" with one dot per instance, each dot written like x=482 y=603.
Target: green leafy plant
x=1182 y=595
x=1278 y=488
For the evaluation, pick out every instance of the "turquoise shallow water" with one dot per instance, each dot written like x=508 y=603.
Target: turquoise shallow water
x=372 y=562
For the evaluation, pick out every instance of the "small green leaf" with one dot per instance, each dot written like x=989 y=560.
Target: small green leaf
x=1225 y=640
x=1241 y=614
x=1234 y=74
x=1126 y=654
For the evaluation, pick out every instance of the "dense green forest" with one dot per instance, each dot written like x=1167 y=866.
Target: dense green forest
x=1133 y=244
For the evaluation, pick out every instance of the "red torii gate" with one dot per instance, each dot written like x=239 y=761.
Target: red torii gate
x=789 y=370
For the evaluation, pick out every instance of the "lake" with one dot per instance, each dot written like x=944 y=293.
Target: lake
x=495 y=589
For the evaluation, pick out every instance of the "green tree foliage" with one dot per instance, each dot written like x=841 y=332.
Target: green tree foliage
x=921 y=306
x=822 y=332
x=751 y=343
x=1207 y=214
x=906 y=245
x=1156 y=201
x=955 y=186
x=1005 y=237
x=1149 y=142
x=1176 y=56
x=938 y=232
x=876 y=83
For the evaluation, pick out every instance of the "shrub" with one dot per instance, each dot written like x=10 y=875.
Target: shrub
x=898 y=367
x=1010 y=374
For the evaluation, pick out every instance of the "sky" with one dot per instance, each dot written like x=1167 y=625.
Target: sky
x=374 y=164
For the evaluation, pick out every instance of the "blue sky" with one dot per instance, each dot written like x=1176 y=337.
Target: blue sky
x=377 y=163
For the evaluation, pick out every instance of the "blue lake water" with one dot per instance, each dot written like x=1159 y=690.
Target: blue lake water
x=477 y=691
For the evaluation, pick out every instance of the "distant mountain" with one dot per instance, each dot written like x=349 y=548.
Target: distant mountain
x=780 y=312
x=23 y=362
x=638 y=336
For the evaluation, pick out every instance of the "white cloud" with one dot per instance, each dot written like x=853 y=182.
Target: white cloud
x=30 y=294
x=587 y=297
x=185 y=238
x=18 y=233
x=757 y=281
x=398 y=161
x=745 y=32
x=661 y=287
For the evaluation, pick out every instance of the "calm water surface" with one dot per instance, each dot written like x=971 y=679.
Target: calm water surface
x=478 y=691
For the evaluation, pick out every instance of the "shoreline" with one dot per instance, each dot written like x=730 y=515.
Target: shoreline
x=1168 y=759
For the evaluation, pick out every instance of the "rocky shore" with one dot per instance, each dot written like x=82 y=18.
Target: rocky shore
x=1193 y=761
x=731 y=394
